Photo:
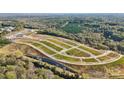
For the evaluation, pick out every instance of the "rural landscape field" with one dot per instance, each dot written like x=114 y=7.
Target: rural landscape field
x=61 y=46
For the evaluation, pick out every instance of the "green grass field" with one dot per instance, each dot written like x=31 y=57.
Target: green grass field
x=112 y=54
x=71 y=43
x=43 y=48
x=103 y=58
x=77 y=53
x=67 y=41
x=90 y=50
x=59 y=43
x=120 y=61
x=108 y=56
x=52 y=45
x=66 y=58
x=89 y=60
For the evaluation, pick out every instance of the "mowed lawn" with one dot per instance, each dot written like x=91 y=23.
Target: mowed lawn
x=76 y=52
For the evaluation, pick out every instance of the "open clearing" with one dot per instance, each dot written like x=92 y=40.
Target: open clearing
x=69 y=51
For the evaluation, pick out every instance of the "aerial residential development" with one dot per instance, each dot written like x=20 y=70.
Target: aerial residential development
x=61 y=46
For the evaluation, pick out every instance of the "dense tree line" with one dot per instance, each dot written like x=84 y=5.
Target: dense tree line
x=16 y=65
x=102 y=32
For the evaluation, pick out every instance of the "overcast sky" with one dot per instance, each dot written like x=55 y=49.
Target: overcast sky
x=62 y=6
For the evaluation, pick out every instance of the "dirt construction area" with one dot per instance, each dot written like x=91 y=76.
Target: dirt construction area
x=67 y=51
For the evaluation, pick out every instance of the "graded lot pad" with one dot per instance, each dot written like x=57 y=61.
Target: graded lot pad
x=59 y=43
x=112 y=54
x=120 y=61
x=76 y=52
x=73 y=43
x=66 y=58
x=52 y=45
x=103 y=58
x=93 y=51
x=89 y=60
x=43 y=48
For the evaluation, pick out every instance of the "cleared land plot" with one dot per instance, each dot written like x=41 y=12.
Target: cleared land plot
x=43 y=48
x=63 y=50
x=59 y=43
x=89 y=60
x=108 y=56
x=77 y=53
x=67 y=41
x=112 y=54
x=93 y=51
x=120 y=61
x=103 y=58
x=52 y=45
x=66 y=58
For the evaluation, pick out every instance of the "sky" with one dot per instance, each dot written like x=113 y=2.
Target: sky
x=62 y=6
